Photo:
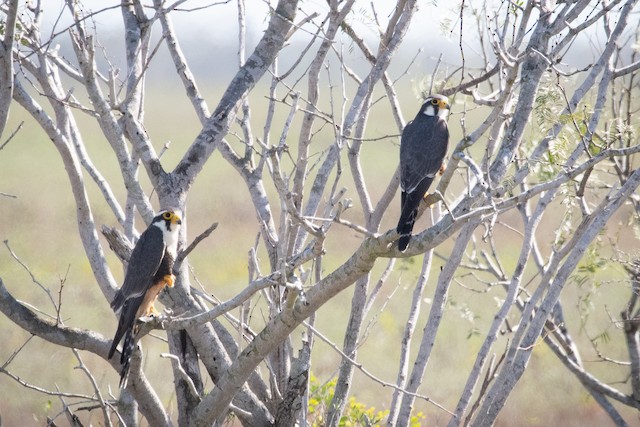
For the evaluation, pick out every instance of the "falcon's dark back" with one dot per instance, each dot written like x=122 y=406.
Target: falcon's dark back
x=425 y=142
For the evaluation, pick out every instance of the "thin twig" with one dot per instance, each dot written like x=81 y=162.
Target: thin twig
x=94 y=385
x=43 y=390
x=206 y=233
x=4 y=144
x=63 y=280
x=175 y=360
x=28 y=270
x=370 y=375
x=15 y=353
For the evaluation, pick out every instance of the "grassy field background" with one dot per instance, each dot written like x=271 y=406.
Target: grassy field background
x=39 y=226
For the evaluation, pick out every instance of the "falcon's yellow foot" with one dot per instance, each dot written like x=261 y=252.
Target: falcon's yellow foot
x=154 y=312
x=442 y=169
x=151 y=312
x=170 y=280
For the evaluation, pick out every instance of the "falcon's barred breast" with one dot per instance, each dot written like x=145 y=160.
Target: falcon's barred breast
x=150 y=270
x=423 y=147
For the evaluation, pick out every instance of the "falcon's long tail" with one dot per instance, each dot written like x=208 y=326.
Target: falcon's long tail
x=128 y=346
x=125 y=331
x=406 y=221
x=117 y=305
x=410 y=203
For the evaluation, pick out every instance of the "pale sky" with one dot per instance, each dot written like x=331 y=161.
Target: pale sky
x=213 y=31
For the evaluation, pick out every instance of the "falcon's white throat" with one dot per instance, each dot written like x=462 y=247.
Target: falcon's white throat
x=171 y=239
x=170 y=236
x=442 y=112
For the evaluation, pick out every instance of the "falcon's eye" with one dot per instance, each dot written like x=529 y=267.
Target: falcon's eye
x=434 y=101
x=167 y=215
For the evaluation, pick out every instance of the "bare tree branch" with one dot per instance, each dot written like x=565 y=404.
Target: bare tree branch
x=6 y=63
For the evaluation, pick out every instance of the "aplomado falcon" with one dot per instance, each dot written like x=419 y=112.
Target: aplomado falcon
x=150 y=270
x=423 y=146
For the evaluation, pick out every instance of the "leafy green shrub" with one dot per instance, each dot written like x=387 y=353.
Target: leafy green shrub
x=356 y=414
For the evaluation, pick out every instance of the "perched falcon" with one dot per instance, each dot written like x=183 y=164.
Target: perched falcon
x=423 y=146
x=150 y=270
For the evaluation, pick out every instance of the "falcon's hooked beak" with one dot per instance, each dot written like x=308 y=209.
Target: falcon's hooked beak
x=443 y=104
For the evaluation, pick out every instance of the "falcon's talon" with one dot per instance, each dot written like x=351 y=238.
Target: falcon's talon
x=170 y=280
x=152 y=312
x=151 y=317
